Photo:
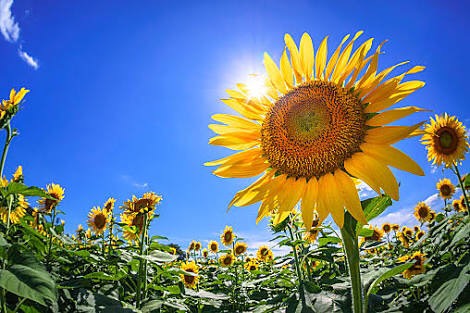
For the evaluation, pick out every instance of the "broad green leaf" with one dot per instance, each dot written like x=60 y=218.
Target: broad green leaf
x=443 y=297
x=105 y=276
x=34 y=284
x=19 y=188
x=158 y=257
x=389 y=273
x=365 y=232
x=323 y=241
x=206 y=295
x=373 y=207
x=463 y=233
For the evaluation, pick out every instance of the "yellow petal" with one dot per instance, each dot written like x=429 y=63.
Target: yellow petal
x=306 y=56
x=280 y=217
x=235 y=121
x=390 y=116
x=20 y=95
x=388 y=135
x=270 y=202
x=332 y=198
x=374 y=81
x=320 y=62
x=350 y=196
x=309 y=201
x=274 y=73
x=294 y=56
x=247 y=109
x=356 y=60
x=334 y=57
x=343 y=59
x=242 y=170
x=253 y=193
x=356 y=167
x=12 y=94
x=291 y=193
x=393 y=157
x=237 y=157
x=286 y=70
x=235 y=141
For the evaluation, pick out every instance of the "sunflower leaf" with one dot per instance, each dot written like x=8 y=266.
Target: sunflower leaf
x=373 y=207
x=387 y=274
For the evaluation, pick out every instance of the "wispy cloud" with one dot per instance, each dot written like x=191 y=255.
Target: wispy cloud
x=131 y=181
x=364 y=190
x=10 y=30
x=433 y=201
x=28 y=59
x=402 y=217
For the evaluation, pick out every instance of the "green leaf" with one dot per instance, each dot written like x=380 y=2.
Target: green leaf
x=443 y=297
x=387 y=274
x=323 y=241
x=34 y=284
x=463 y=233
x=105 y=276
x=466 y=182
x=365 y=232
x=19 y=188
x=158 y=257
x=206 y=295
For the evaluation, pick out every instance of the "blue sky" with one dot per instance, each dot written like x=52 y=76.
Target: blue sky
x=121 y=94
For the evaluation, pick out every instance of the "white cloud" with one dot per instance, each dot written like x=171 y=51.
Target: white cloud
x=11 y=32
x=28 y=59
x=133 y=182
x=364 y=190
x=434 y=201
x=8 y=27
x=403 y=217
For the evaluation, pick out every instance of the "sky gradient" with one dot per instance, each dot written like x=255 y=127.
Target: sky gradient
x=121 y=94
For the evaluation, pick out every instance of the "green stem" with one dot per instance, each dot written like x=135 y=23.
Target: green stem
x=5 y=147
x=141 y=262
x=49 y=249
x=111 y=234
x=19 y=305
x=352 y=255
x=4 y=265
x=461 y=185
x=296 y=259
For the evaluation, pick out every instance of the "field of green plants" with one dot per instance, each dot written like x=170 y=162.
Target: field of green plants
x=113 y=264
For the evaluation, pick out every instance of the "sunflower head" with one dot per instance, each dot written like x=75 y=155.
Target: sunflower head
x=386 y=227
x=98 y=220
x=147 y=203
x=109 y=205
x=9 y=107
x=456 y=205
x=240 y=248
x=408 y=232
x=376 y=235
x=205 y=253
x=18 y=175
x=420 y=234
x=135 y=225
x=405 y=241
x=264 y=253
x=226 y=260
x=192 y=244
x=319 y=124
x=189 y=280
x=422 y=212
x=312 y=234
x=251 y=266
x=446 y=188
x=462 y=204
x=418 y=266
x=416 y=228
x=213 y=246
x=395 y=227
x=197 y=246
x=57 y=193
x=227 y=236
x=17 y=211
x=446 y=140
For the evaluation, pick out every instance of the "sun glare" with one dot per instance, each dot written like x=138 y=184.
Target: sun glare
x=255 y=85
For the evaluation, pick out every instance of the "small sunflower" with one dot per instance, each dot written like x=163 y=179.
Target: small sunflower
x=197 y=246
x=422 y=212
x=251 y=266
x=456 y=206
x=420 y=234
x=462 y=204
x=395 y=227
x=226 y=260
x=386 y=227
x=205 y=253
x=405 y=241
x=18 y=175
x=109 y=205
x=17 y=211
x=446 y=140
x=446 y=188
x=213 y=246
x=227 y=236
x=190 y=281
x=56 y=192
x=408 y=232
x=135 y=223
x=240 y=248
x=191 y=245
x=418 y=266
x=264 y=253
x=98 y=220
x=376 y=235
x=320 y=123
x=416 y=228
x=9 y=107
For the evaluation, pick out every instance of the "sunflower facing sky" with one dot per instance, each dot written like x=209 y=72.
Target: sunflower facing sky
x=320 y=123
x=98 y=220
x=446 y=188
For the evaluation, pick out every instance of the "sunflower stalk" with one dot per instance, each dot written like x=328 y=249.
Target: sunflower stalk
x=352 y=255
x=462 y=187
x=142 y=264
x=296 y=260
x=49 y=248
x=4 y=263
x=8 y=139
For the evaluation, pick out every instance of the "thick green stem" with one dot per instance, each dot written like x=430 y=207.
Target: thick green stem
x=4 y=263
x=142 y=261
x=352 y=255
x=111 y=234
x=461 y=185
x=297 y=263
x=5 y=147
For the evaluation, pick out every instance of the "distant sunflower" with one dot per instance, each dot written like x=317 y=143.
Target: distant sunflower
x=446 y=188
x=109 y=205
x=205 y=252
x=18 y=175
x=98 y=220
x=445 y=139
x=318 y=124
x=213 y=246
x=405 y=241
x=17 y=211
x=240 y=248
x=408 y=232
x=456 y=206
x=420 y=234
x=227 y=236
x=197 y=246
x=251 y=266
x=264 y=253
x=462 y=204
x=135 y=223
x=395 y=227
x=56 y=192
x=226 y=260
x=189 y=280
x=416 y=228
x=418 y=265
x=192 y=244
x=312 y=234
x=386 y=227
x=422 y=212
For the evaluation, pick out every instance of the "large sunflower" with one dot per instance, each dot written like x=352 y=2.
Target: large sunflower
x=319 y=124
x=446 y=188
x=445 y=139
x=98 y=220
x=190 y=281
x=422 y=212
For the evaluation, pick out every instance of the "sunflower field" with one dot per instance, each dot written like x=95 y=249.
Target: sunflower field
x=318 y=128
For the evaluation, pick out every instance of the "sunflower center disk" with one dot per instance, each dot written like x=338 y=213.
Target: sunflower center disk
x=313 y=129
x=448 y=140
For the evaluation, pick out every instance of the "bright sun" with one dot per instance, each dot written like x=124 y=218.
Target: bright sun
x=255 y=85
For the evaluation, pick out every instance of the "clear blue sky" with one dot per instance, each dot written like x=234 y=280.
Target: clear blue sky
x=123 y=93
